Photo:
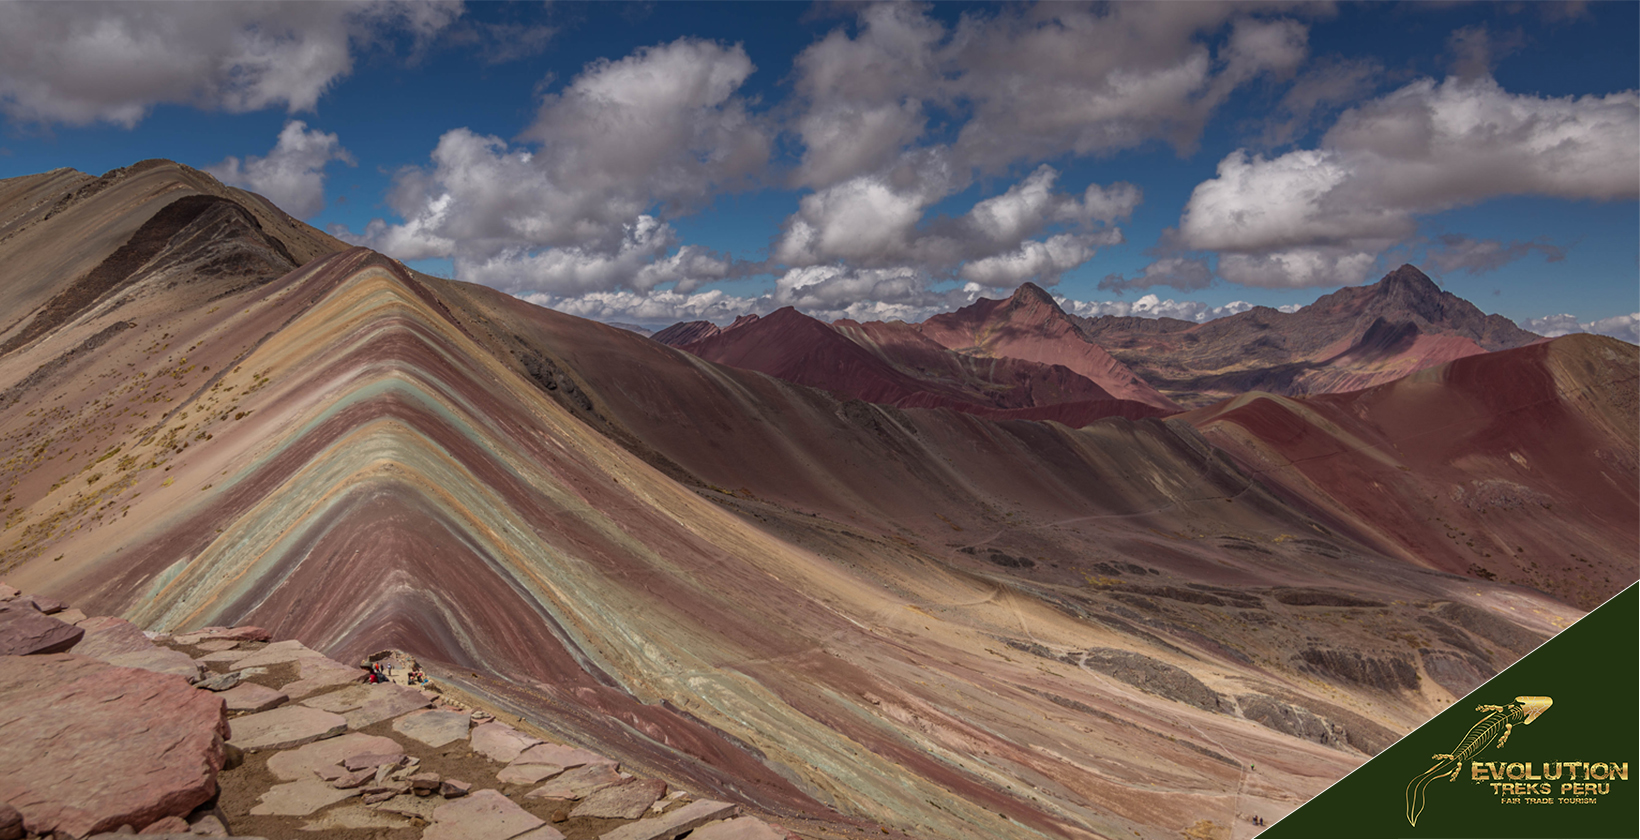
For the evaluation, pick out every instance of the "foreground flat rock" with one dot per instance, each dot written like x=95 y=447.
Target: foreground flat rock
x=580 y=782
x=561 y=755
x=485 y=815
x=286 y=727
x=369 y=703
x=119 y=642
x=433 y=727
x=500 y=742
x=627 y=801
x=90 y=746
x=320 y=673
x=669 y=825
x=25 y=631
x=250 y=697
x=299 y=798
x=740 y=828
x=301 y=762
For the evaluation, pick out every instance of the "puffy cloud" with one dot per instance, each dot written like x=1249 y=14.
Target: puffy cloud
x=293 y=174
x=1625 y=327
x=865 y=95
x=1316 y=217
x=572 y=208
x=640 y=263
x=80 y=63
x=1041 y=260
x=872 y=222
x=1182 y=273
x=1152 y=306
x=1046 y=80
x=655 y=308
x=1327 y=84
x=1454 y=252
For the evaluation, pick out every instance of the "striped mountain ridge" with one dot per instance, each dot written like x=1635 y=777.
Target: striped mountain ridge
x=857 y=614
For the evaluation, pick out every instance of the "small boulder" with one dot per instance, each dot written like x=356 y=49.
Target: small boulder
x=250 y=697
x=11 y=822
x=166 y=825
x=220 y=682
x=24 y=631
x=49 y=606
x=453 y=789
x=351 y=779
x=424 y=784
x=9 y=592
x=371 y=761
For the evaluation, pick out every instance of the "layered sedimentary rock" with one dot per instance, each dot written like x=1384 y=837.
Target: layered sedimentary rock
x=823 y=607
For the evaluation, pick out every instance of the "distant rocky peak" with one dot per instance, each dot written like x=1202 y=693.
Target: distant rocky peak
x=1029 y=292
x=1409 y=284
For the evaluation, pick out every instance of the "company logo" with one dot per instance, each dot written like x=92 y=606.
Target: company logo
x=1498 y=724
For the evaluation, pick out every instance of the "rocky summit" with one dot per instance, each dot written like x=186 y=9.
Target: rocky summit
x=98 y=749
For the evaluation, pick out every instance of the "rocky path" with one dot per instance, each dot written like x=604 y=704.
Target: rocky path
x=107 y=731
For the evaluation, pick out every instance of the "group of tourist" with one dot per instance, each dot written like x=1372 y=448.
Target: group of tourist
x=382 y=672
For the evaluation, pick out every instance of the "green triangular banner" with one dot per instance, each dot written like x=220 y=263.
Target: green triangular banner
x=1572 y=772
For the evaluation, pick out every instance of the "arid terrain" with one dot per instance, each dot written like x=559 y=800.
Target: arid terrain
x=976 y=578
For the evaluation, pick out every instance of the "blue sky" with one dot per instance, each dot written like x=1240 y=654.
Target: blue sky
x=647 y=163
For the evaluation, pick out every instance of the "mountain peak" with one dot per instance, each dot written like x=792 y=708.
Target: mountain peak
x=1029 y=292
x=1410 y=279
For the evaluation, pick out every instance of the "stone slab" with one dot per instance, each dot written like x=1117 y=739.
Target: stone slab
x=369 y=703
x=350 y=817
x=433 y=727
x=8 y=592
x=213 y=645
x=527 y=774
x=500 y=742
x=626 y=801
x=299 y=798
x=277 y=653
x=321 y=673
x=250 y=697
x=561 y=755
x=285 y=727
x=740 y=828
x=24 y=631
x=481 y=815
x=580 y=782
x=673 y=823
x=119 y=642
x=410 y=806
x=301 y=762
x=90 y=746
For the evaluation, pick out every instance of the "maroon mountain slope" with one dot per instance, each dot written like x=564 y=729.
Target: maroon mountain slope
x=1029 y=325
x=894 y=364
x=1354 y=338
x=1518 y=465
x=845 y=615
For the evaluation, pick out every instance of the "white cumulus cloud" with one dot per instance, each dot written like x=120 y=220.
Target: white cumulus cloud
x=293 y=174
x=1626 y=327
x=82 y=63
x=1317 y=217
x=579 y=205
